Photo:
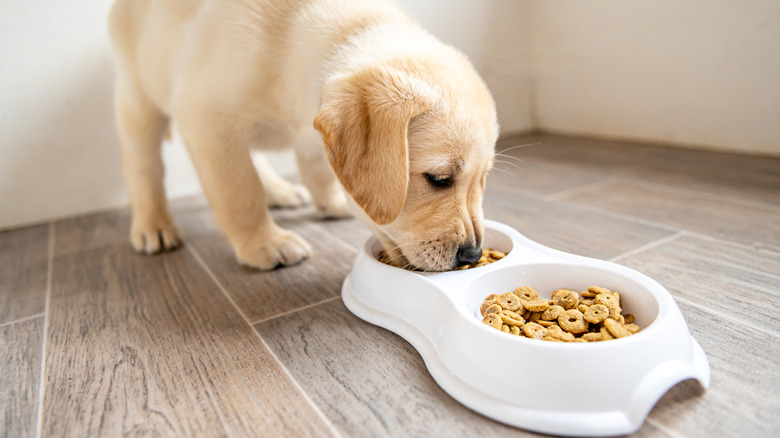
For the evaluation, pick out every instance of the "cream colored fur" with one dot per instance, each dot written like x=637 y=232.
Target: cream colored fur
x=392 y=105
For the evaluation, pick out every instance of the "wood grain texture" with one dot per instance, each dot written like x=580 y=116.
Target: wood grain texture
x=741 y=176
x=732 y=280
x=539 y=176
x=367 y=380
x=547 y=165
x=262 y=295
x=149 y=346
x=569 y=228
x=107 y=228
x=92 y=231
x=727 y=218
x=350 y=231
x=732 y=175
x=24 y=261
x=20 y=370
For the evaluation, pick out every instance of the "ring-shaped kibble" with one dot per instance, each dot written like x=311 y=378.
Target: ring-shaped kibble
x=530 y=328
x=573 y=321
x=493 y=320
x=608 y=300
x=510 y=317
x=599 y=290
x=536 y=305
x=485 y=304
x=552 y=313
x=596 y=313
x=510 y=301
x=556 y=332
x=568 y=299
x=493 y=308
x=555 y=322
x=526 y=293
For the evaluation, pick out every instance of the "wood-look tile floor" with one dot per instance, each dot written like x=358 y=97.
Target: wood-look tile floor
x=96 y=340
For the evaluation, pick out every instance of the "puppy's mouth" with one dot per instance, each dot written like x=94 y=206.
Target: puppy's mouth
x=428 y=256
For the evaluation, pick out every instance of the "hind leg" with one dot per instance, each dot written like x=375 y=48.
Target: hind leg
x=319 y=178
x=278 y=191
x=141 y=129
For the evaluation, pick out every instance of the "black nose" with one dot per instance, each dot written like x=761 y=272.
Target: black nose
x=468 y=254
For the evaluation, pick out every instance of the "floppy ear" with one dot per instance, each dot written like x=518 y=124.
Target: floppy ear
x=363 y=121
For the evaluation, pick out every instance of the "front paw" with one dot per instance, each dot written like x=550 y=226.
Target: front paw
x=335 y=208
x=282 y=194
x=154 y=235
x=282 y=248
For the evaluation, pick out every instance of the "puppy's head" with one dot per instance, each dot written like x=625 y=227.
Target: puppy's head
x=411 y=143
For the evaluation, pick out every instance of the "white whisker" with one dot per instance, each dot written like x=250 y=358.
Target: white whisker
x=520 y=146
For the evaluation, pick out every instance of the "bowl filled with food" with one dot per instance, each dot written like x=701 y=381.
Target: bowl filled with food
x=534 y=337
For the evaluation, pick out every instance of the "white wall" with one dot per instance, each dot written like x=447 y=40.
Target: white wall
x=692 y=72
x=59 y=153
x=496 y=36
x=704 y=73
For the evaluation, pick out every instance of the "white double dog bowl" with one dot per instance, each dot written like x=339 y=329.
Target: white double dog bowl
x=581 y=389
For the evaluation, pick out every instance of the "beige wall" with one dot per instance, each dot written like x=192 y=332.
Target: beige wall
x=704 y=73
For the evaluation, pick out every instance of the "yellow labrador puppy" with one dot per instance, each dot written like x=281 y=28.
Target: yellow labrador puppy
x=408 y=126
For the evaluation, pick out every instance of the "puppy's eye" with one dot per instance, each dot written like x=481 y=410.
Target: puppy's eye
x=439 y=181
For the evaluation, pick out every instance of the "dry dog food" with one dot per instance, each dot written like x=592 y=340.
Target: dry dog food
x=590 y=316
x=488 y=256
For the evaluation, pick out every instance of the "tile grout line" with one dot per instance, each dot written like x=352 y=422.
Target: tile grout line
x=706 y=195
x=608 y=213
x=21 y=320
x=724 y=316
x=667 y=239
x=224 y=291
x=650 y=245
x=690 y=192
x=745 y=246
x=583 y=188
x=42 y=375
x=621 y=216
x=290 y=312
